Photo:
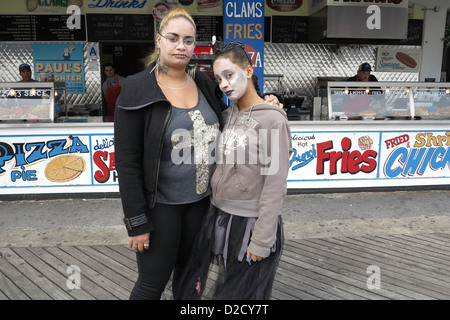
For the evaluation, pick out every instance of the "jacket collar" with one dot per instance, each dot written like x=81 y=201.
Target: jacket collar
x=141 y=90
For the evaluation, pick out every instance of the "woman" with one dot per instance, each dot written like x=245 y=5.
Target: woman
x=243 y=230
x=165 y=127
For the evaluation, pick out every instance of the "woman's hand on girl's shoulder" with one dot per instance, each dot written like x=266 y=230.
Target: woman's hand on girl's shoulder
x=272 y=99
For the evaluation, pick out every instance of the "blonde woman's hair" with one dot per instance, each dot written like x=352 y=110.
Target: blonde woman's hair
x=175 y=13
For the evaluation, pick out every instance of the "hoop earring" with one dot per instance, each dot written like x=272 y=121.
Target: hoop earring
x=191 y=71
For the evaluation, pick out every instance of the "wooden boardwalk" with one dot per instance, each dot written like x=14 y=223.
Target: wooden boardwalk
x=398 y=267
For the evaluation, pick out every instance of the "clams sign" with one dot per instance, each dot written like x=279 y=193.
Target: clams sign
x=244 y=21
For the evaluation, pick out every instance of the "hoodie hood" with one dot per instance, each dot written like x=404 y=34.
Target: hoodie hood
x=254 y=115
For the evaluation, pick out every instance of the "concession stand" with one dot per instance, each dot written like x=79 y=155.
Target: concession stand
x=383 y=134
x=54 y=137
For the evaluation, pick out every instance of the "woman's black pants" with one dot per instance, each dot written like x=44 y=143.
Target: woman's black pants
x=175 y=230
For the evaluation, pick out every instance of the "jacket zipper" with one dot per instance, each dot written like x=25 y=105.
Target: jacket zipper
x=160 y=151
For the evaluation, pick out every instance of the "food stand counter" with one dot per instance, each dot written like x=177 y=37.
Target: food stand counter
x=401 y=140
x=27 y=102
x=391 y=148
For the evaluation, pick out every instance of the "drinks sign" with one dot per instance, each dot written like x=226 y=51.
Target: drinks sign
x=106 y=6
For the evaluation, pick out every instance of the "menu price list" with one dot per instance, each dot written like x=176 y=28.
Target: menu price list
x=120 y=27
x=39 y=28
x=289 y=29
x=208 y=26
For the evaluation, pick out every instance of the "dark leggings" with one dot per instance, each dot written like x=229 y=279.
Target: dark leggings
x=176 y=227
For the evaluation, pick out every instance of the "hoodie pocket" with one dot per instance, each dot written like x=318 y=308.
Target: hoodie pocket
x=237 y=182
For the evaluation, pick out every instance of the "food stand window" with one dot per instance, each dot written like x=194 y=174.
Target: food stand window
x=26 y=102
x=368 y=101
x=388 y=100
x=432 y=102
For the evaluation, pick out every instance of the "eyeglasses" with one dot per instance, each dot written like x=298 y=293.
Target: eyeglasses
x=174 y=41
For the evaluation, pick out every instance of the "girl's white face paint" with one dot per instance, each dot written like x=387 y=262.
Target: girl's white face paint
x=231 y=77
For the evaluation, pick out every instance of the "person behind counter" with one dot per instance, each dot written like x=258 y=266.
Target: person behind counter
x=25 y=73
x=363 y=74
x=111 y=89
x=358 y=102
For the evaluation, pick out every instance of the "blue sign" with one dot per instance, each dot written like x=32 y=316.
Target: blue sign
x=244 y=21
x=65 y=61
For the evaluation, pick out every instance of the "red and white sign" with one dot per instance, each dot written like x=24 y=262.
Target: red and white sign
x=284 y=5
x=160 y=9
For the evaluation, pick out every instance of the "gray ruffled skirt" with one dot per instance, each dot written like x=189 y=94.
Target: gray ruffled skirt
x=218 y=267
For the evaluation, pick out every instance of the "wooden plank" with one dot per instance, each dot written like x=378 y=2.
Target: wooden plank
x=402 y=268
x=8 y=288
x=278 y=293
x=123 y=271
x=413 y=266
x=51 y=272
x=117 y=256
x=293 y=277
x=91 y=280
x=297 y=284
x=442 y=235
x=89 y=288
x=410 y=256
x=346 y=265
x=111 y=281
x=281 y=293
x=2 y=296
x=434 y=242
x=415 y=247
x=361 y=260
x=13 y=267
x=406 y=270
x=367 y=257
x=37 y=273
x=339 y=274
x=125 y=251
x=345 y=287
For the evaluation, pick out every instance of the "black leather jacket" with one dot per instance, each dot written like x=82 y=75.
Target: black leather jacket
x=141 y=118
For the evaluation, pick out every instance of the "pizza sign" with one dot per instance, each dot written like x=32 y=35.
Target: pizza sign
x=57 y=160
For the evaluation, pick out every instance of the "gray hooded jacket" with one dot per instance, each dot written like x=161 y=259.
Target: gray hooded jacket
x=252 y=168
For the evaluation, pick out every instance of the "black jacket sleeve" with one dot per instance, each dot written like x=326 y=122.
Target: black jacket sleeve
x=129 y=126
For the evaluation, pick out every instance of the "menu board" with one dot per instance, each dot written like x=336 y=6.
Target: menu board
x=289 y=29
x=39 y=28
x=208 y=26
x=120 y=27
x=414 y=37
